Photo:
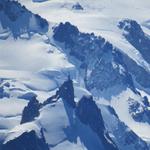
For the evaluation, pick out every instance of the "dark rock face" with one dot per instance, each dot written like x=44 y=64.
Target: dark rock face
x=26 y=141
x=42 y=23
x=89 y=114
x=16 y=18
x=132 y=139
x=28 y=96
x=146 y=102
x=140 y=112
x=30 y=111
x=104 y=76
x=7 y=84
x=3 y=93
x=50 y=100
x=112 y=111
x=64 y=33
x=66 y=92
x=77 y=6
x=135 y=35
x=95 y=54
x=140 y=75
x=107 y=65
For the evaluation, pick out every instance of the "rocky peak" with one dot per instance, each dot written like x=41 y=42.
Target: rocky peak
x=89 y=114
x=26 y=141
x=30 y=111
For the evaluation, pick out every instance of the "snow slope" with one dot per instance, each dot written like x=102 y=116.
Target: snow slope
x=100 y=17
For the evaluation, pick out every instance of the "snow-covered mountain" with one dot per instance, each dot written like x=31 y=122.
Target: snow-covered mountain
x=74 y=75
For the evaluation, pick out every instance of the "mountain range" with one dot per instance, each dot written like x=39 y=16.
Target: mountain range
x=74 y=75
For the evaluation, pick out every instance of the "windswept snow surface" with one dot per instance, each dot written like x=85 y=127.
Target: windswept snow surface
x=30 y=55
x=11 y=107
x=30 y=62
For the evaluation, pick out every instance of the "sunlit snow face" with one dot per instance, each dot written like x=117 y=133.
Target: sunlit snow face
x=29 y=55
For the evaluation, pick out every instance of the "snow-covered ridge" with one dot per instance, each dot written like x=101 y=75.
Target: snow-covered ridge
x=18 y=20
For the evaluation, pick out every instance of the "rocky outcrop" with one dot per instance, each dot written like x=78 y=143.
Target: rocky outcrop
x=77 y=6
x=140 y=111
x=99 y=63
x=133 y=32
x=66 y=92
x=89 y=114
x=28 y=96
x=30 y=111
x=19 y=20
x=3 y=93
x=26 y=141
x=122 y=135
x=65 y=32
